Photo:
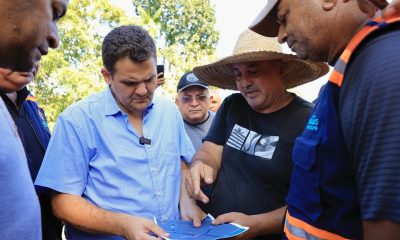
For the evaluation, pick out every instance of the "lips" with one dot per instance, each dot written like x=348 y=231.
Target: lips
x=140 y=99
x=32 y=72
x=26 y=74
x=251 y=94
x=290 y=45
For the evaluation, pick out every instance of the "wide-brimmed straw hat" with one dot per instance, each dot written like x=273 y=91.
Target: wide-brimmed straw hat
x=252 y=47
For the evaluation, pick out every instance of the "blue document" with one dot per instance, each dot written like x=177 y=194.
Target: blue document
x=185 y=230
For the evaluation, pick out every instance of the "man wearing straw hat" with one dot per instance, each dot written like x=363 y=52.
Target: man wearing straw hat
x=345 y=181
x=246 y=154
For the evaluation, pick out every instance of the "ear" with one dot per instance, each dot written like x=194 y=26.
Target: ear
x=106 y=75
x=367 y=7
x=328 y=5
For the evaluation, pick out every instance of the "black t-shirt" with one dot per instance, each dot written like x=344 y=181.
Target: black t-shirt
x=256 y=159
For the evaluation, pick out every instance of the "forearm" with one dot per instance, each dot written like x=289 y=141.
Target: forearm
x=210 y=154
x=381 y=229
x=185 y=174
x=270 y=222
x=83 y=215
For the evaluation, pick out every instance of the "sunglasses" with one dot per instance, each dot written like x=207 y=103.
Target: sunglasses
x=199 y=98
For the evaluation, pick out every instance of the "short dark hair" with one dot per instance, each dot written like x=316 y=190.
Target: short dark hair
x=132 y=41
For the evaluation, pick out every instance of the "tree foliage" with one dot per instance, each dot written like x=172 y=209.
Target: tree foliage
x=183 y=30
x=187 y=35
x=72 y=71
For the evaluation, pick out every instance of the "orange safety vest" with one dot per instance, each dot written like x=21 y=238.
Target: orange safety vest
x=321 y=146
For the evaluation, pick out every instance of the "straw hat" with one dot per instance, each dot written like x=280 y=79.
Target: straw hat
x=252 y=47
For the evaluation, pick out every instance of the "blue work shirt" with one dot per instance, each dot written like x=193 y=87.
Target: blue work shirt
x=95 y=153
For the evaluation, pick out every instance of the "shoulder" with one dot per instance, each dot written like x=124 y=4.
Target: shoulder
x=379 y=51
x=234 y=100
x=85 y=107
x=212 y=114
x=298 y=108
x=302 y=103
x=165 y=105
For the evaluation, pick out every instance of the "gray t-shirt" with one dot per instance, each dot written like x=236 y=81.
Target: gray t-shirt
x=198 y=131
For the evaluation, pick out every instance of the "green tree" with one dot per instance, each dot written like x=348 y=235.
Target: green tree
x=183 y=30
x=72 y=72
x=187 y=35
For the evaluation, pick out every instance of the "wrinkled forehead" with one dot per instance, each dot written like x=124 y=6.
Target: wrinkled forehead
x=244 y=65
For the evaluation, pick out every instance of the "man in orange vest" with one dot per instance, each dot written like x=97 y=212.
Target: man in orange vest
x=345 y=180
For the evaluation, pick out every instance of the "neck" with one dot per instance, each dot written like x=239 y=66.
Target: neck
x=13 y=97
x=278 y=103
x=201 y=121
x=349 y=27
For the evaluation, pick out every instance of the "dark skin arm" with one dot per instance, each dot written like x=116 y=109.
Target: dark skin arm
x=381 y=229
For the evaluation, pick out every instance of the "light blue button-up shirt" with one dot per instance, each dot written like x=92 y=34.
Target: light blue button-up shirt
x=19 y=205
x=95 y=153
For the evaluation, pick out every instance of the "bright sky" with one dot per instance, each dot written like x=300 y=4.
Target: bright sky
x=233 y=17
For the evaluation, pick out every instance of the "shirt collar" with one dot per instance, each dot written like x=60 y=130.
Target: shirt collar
x=21 y=97
x=111 y=106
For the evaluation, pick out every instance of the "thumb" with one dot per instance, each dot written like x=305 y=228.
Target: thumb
x=196 y=220
x=224 y=218
x=157 y=230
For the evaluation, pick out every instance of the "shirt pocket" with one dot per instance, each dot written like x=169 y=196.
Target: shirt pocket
x=304 y=193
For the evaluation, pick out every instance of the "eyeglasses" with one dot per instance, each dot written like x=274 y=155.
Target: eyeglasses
x=199 y=98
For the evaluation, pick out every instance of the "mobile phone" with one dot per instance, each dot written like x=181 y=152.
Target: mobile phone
x=160 y=68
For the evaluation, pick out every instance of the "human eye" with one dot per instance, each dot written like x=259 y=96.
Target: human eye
x=238 y=75
x=202 y=97
x=253 y=71
x=280 y=18
x=59 y=10
x=130 y=84
x=186 y=99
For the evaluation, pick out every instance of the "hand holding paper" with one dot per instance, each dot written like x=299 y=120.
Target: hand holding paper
x=186 y=231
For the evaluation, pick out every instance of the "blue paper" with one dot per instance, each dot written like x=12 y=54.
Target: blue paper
x=185 y=230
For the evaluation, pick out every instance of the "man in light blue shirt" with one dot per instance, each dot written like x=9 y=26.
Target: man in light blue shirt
x=114 y=161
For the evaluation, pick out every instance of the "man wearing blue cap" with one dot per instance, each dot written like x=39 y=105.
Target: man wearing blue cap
x=193 y=101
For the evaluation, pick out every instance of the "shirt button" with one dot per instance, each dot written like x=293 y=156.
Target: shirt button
x=158 y=193
x=164 y=218
x=153 y=169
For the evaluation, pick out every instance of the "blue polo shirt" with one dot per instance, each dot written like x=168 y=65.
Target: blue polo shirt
x=95 y=153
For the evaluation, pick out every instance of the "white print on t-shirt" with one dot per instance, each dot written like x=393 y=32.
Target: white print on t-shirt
x=252 y=143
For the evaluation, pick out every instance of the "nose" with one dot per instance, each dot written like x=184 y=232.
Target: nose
x=141 y=89
x=53 y=39
x=194 y=102
x=246 y=80
x=282 y=34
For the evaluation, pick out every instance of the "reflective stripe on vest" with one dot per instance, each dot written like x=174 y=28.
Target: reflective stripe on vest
x=296 y=229
x=301 y=219
x=340 y=66
x=31 y=98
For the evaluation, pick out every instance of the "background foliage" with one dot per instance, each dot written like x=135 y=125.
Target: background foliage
x=183 y=30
